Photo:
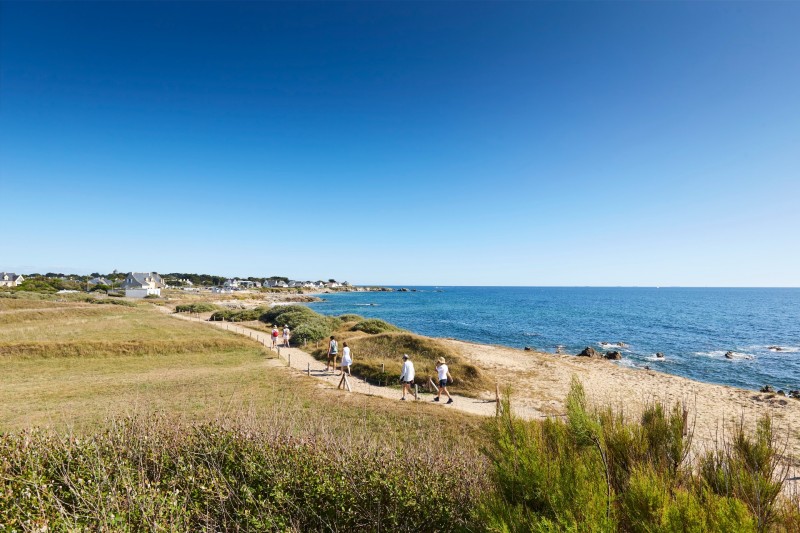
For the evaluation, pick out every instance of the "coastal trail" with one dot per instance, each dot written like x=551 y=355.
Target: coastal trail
x=299 y=361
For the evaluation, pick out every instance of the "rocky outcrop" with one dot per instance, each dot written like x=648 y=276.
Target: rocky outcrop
x=729 y=355
x=659 y=355
x=614 y=355
x=527 y=348
x=767 y=388
x=590 y=352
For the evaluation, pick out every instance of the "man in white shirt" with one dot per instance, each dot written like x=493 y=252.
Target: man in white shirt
x=407 y=375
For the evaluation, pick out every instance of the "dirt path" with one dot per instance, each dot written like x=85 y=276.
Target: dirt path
x=299 y=361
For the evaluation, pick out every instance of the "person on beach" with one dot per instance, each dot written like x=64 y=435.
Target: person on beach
x=407 y=375
x=347 y=359
x=274 y=337
x=333 y=351
x=286 y=335
x=444 y=375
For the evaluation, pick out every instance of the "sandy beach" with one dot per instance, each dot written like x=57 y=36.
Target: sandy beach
x=539 y=382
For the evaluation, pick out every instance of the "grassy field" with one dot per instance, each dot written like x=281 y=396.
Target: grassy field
x=78 y=365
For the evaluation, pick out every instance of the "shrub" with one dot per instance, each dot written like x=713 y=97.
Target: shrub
x=311 y=332
x=142 y=477
x=238 y=315
x=374 y=326
x=749 y=468
x=272 y=313
x=598 y=472
x=351 y=318
x=201 y=307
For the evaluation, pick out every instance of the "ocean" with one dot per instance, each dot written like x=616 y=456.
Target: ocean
x=693 y=327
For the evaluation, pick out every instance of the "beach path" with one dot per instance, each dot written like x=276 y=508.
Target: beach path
x=299 y=361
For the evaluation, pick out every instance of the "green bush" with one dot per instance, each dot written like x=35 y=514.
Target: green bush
x=748 y=468
x=374 y=326
x=351 y=318
x=201 y=307
x=270 y=315
x=311 y=332
x=141 y=477
x=238 y=315
x=596 y=471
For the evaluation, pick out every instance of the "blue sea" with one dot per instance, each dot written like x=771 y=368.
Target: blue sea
x=692 y=327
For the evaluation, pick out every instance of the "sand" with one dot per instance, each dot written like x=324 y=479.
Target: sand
x=539 y=382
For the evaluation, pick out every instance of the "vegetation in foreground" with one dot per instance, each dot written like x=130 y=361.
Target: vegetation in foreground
x=142 y=475
x=597 y=471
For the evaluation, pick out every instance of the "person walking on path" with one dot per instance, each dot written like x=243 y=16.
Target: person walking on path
x=286 y=336
x=407 y=375
x=347 y=359
x=444 y=375
x=274 y=337
x=333 y=351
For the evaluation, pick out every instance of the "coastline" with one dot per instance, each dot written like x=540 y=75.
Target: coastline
x=539 y=382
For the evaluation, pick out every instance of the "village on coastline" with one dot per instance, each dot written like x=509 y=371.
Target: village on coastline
x=150 y=284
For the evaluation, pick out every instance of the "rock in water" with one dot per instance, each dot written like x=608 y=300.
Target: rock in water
x=660 y=355
x=728 y=355
x=589 y=352
x=616 y=356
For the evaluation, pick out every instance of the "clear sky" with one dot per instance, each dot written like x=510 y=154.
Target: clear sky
x=404 y=143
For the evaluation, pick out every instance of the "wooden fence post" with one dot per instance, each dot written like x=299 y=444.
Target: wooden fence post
x=497 y=398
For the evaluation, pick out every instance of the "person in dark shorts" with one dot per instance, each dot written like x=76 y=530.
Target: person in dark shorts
x=444 y=375
x=333 y=351
x=407 y=376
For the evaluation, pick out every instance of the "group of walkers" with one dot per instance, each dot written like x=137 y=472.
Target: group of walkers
x=406 y=375
x=276 y=334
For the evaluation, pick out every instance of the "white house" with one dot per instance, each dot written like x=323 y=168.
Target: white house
x=9 y=279
x=231 y=283
x=141 y=284
x=222 y=290
x=247 y=284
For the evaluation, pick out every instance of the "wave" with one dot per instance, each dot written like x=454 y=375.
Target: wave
x=526 y=334
x=726 y=354
x=367 y=305
x=782 y=349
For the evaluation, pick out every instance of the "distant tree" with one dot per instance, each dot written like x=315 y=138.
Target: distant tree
x=331 y=281
x=95 y=274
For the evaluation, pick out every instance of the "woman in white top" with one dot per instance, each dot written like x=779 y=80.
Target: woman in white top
x=347 y=360
x=286 y=335
x=444 y=375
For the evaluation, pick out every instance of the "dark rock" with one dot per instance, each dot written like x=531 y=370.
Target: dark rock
x=781 y=393
x=728 y=355
x=616 y=356
x=775 y=348
x=590 y=352
x=647 y=367
x=527 y=348
x=660 y=355
x=767 y=388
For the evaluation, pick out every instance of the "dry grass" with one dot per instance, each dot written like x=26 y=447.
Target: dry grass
x=379 y=359
x=136 y=361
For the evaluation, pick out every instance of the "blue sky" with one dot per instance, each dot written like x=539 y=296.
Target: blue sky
x=404 y=143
